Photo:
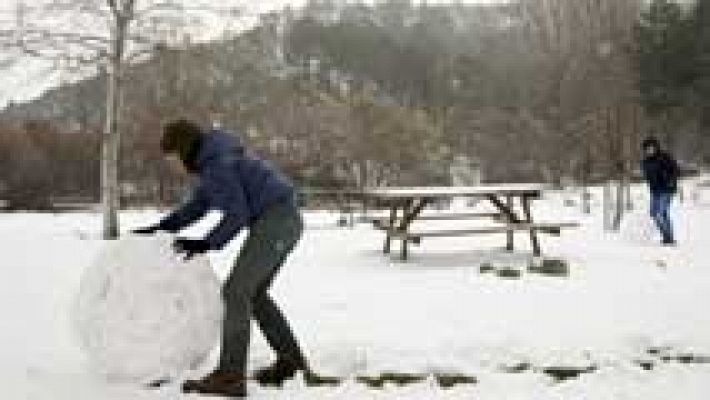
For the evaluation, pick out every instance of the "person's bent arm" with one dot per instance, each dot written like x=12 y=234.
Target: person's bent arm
x=190 y=211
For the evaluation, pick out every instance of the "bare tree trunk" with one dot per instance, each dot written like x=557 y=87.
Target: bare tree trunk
x=629 y=196
x=607 y=206
x=586 y=174
x=586 y=200
x=616 y=156
x=619 y=209
x=633 y=140
x=110 y=192
x=609 y=215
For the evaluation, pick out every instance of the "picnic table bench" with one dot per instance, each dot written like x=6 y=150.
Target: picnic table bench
x=407 y=203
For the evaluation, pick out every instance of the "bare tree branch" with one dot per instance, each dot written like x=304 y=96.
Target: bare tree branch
x=112 y=31
x=164 y=6
x=114 y=9
x=129 y=10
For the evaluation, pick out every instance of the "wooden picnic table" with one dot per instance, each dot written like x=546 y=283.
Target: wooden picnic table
x=407 y=203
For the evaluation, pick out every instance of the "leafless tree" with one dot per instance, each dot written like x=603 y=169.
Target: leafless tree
x=103 y=34
x=587 y=84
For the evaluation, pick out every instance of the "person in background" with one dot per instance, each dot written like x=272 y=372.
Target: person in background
x=252 y=194
x=661 y=173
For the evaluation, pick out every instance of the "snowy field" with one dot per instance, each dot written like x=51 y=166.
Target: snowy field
x=626 y=303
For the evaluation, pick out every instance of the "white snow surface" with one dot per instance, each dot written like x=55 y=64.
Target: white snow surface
x=637 y=227
x=358 y=312
x=143 y=313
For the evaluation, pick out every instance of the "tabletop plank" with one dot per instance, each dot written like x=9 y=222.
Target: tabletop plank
x=452 y=191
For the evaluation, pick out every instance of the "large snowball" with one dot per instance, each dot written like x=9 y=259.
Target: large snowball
x=142 y=313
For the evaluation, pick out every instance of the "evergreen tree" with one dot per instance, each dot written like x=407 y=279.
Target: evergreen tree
x=701 y=59
x=665 y=49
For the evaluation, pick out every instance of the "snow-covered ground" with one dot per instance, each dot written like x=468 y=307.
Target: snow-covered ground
x=358 y=312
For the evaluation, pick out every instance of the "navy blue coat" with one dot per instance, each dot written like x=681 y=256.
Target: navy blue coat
x=231 y=181
x=661 y=172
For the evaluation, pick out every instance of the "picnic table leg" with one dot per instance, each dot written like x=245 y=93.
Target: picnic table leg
x=506 y=210
x=510 y=235
x=411 y=212
x=404 y=227
x=533 y=233
x=390 y=227
x=342 y=198
x=343 y=203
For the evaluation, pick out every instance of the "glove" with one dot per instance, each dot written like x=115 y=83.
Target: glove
x=146 y=230
x=190 y=247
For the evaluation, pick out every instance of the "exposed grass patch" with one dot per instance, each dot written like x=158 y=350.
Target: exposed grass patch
x=508 y=273
x=646 y=365
x=693 y=359
x=669 y=355
x=445 y=381
x=551 y=267
x=486 y=267
x=313 y=379
x=517 y=368
x=561 y=374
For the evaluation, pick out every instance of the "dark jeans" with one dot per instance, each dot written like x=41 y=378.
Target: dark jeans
x=660 y=212
x=270 y=241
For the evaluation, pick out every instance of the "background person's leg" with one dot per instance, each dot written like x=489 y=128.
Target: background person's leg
x=665 y=217
x=655 y=212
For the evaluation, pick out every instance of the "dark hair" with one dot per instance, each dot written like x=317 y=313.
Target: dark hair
x=184 y=138
x=651 y=142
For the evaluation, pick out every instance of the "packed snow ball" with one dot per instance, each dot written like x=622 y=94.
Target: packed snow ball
x=144 y=313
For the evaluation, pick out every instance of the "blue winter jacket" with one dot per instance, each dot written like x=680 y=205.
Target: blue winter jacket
x=242 y=187
x=661 y=172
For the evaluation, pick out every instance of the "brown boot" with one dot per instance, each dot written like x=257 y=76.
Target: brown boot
x=218 y=383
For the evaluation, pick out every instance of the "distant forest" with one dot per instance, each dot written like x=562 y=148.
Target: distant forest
x=342 y=94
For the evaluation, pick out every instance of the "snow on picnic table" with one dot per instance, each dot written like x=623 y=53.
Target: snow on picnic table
x=359 y=312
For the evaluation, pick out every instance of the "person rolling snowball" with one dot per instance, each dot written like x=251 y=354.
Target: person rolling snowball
x=250 y=193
